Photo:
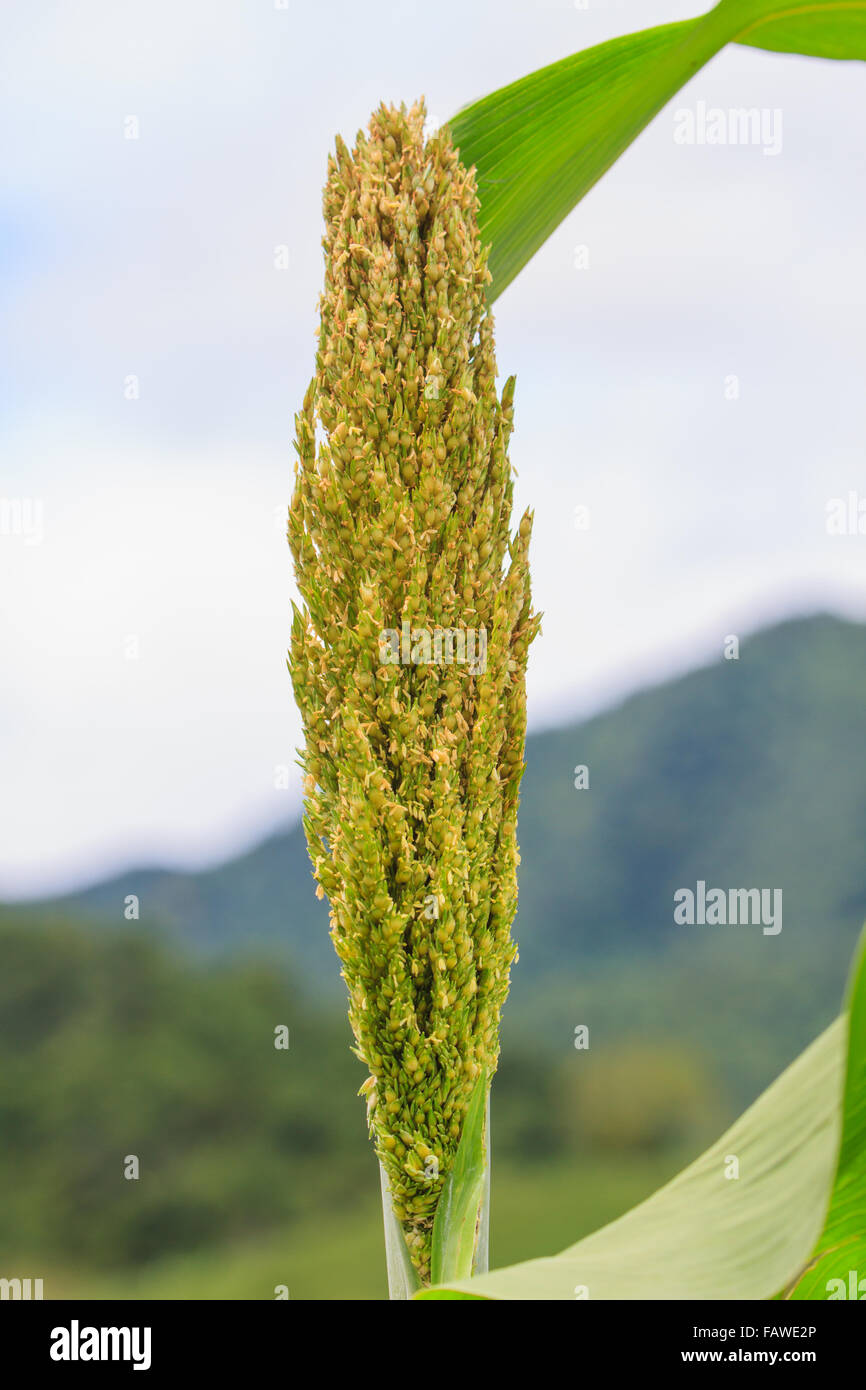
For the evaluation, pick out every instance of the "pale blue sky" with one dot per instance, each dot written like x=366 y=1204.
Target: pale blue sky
x=162 y=516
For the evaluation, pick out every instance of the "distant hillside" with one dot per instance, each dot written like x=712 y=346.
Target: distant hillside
x=748 y=773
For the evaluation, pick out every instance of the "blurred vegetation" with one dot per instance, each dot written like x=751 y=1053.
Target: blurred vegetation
x=639 y=1097
x=114 y=1045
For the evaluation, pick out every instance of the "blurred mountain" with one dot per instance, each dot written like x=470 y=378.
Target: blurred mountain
x=749 y=773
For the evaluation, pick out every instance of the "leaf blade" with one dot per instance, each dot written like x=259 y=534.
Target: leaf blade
x=841 y=1247
x=801 y=1189
x=816 y=28
x=541 y=143
x=695 y=1237
x=458 y=1209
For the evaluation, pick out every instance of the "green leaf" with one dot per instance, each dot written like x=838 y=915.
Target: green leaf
x=819 y=28
x=403 y=1280
x=708 y=1235
x=542 y=142
x=841 y=1248
x=459 y=1207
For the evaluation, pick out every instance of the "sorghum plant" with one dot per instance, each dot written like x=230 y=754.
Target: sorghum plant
x=408 y=656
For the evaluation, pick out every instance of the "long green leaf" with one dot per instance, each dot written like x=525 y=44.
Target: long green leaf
x=841 y=1249
x=542 y=142
x=711 y=1235
x=459 y=1207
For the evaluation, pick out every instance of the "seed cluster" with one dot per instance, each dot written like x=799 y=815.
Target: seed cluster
x=401 y=512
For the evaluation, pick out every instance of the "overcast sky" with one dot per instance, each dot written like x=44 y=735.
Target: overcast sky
x=145 y=704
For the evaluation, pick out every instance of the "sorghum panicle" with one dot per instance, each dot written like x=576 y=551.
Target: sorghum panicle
x=401 y=514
